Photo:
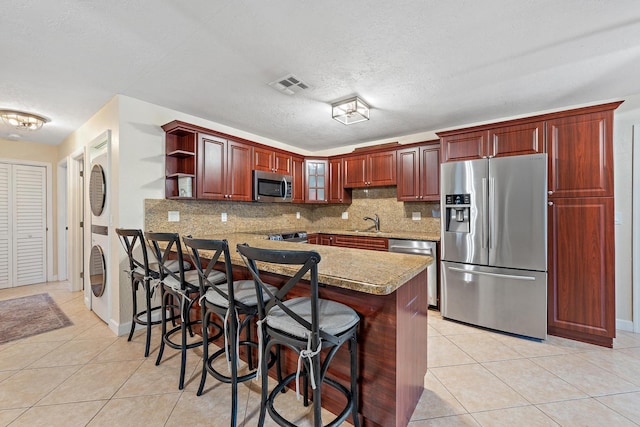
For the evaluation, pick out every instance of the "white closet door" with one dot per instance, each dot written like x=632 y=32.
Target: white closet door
x=29 y=224
x=6 y=209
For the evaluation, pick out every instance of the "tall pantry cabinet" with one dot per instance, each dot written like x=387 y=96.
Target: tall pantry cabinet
x=581 y=258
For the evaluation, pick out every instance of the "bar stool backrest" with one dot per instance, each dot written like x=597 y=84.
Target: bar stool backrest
x=308 y=270
x=170 y=243
x=134 y=244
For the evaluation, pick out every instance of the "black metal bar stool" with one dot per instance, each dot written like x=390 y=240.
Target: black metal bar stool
x=143 y=275
x=179 y=292
x=235 y=304
x=306 y=325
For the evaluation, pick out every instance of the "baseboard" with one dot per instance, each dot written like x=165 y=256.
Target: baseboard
x=624 y=325
x=124 y=328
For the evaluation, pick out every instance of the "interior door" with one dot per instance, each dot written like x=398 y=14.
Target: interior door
x=30 y=224
x=6 y=239
x=23 y=225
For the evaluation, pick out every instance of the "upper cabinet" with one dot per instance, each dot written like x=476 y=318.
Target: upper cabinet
x=224 y=169
x=316 y=178
x=297 y=173
x=512 y=140
x=370 y=170
x=337 y=192
x=581 y=155
x=419 y=172
x=180 y=161
x=268 y=160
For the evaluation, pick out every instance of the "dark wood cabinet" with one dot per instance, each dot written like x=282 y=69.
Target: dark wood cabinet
x=297 y=173
x=316 y=181
x=372 y=169
x=516 y=140
x=418 y=170
x=313 y=239
x=337 y=192
x=581 y=155
x=464 y=146
x=325 y=239
x=509 y=140
x=180 y=162
x=581 y=279
x=224 y=169
x=269 y=160
x=356 y=242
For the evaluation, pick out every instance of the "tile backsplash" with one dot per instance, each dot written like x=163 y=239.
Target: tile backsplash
x=201 y=217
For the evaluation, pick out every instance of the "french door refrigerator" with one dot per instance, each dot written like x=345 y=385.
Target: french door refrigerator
x=494 y=243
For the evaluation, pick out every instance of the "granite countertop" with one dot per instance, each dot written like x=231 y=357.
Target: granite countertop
x=371 y=272
x=410 y=235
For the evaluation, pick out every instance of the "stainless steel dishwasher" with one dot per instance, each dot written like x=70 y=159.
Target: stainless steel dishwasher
x=425 y=248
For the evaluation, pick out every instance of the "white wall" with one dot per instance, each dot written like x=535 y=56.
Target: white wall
x=627 y=115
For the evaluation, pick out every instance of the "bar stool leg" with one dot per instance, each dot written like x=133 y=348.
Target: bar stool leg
x=147 y=293
x=353 y=350
x=134 y=288
x=163 y=299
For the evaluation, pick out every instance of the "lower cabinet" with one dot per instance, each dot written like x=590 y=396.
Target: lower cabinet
x=356 y=242
x=581 y=280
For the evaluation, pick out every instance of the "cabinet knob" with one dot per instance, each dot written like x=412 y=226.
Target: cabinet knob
x=550 y=203
x=417 y=197
x=549 y=192
x=422 y=197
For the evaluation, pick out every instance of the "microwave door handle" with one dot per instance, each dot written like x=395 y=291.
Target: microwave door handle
x=284 y=188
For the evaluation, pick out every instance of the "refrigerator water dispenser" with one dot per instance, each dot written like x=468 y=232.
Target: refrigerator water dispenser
x=457 y=210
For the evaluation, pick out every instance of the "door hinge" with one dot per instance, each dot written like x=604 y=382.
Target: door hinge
x=81 y=174
x=82 y=274
x=81 y=224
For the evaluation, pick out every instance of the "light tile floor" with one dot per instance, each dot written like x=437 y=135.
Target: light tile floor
x=84 y=375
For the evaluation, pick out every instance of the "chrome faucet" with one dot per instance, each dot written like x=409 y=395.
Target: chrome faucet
x=375 y=220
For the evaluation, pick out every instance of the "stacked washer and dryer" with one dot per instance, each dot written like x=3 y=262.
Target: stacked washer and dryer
x=98 y=294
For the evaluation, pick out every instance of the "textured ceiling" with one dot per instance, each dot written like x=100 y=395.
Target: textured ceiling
x=422 y=65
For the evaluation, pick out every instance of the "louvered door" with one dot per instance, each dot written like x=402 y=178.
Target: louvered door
x=6 y=240
x=23 y=227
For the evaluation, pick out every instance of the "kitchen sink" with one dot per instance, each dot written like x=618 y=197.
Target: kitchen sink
x=367 y=231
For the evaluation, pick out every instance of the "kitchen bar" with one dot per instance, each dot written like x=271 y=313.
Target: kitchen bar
x=387 y=290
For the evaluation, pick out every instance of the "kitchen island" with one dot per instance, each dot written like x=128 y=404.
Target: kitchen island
x=388 y=291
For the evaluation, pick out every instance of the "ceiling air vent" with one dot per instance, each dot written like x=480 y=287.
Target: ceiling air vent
x=289 y=84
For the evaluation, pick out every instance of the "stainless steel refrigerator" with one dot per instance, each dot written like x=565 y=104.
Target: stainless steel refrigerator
x=494 y=243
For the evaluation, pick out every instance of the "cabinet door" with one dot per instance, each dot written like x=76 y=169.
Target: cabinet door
x=316 y=181
x=581 y=155
x=325 y=239
x=581 y=296
x=430 y=172
x=337 y=192
x=282 y=163
x=239 y=171
x=210 y=182
x=297 y=172
x=408 y=169
x=361 y=242
x=381 y=168
x=517 y=140
x=464 y=146
x=355 y=171
x=263 y=160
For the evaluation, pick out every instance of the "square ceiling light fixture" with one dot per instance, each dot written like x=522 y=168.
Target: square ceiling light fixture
x=22 y=120
x=350 y=111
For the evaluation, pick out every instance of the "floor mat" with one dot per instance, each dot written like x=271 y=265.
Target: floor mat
x=31 y=315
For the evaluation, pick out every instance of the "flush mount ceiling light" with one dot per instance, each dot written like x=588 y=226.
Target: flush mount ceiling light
x=350 y=111
x=22 y=120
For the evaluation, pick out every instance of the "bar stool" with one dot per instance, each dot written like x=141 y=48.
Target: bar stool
x=306 y=325
x=179 y=292
x=235 y=304
x=141 y=274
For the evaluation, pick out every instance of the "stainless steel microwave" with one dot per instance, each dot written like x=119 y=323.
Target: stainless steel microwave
x=271 y=187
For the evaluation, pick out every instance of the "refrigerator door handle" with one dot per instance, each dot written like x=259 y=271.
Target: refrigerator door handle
x=484 y=273
x=492 y=212
x=485 y=199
